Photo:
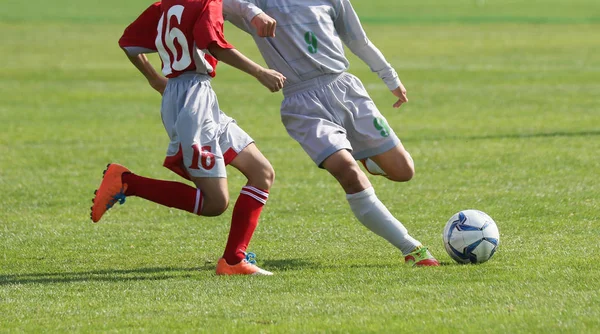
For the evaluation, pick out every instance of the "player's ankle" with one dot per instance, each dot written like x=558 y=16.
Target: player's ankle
x=126 y=179
x=233 y=259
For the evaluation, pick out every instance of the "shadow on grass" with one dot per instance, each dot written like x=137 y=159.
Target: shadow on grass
x=108 y=275
x=303 y=264
x=138 y=274
x=289 y=264
x=164 y=273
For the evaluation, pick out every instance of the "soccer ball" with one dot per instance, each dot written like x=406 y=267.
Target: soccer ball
x=471 y=236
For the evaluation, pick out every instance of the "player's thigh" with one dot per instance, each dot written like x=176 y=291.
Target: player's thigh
x=255 y=166
x=367 y=129
x=371 y=136
x=243 y=154
x=194 y=126
x=396 y=163
x=215 y=194
x=345 y=170
x=200 y=143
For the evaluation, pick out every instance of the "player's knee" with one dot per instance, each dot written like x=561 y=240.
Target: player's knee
x=268 y=177
x=262 y=177
x=403 y=169
x=402 y=174
x=214 y=209
x=214 y=205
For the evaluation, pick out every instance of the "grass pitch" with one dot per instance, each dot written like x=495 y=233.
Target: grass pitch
x=504 y=116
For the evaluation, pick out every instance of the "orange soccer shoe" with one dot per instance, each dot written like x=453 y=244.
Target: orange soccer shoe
x=242 y=268
x=421 y=257
x=111 y=191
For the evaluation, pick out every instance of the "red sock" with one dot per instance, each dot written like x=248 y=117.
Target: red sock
x=243 y=222
x=168 y=193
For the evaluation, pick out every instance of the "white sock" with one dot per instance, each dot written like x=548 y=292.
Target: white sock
x=373 y=168
x=376 y=217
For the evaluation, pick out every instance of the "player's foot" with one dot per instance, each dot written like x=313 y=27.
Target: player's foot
x=421 y=257
x=246 y=267
x=372 y=167
x=111 y=191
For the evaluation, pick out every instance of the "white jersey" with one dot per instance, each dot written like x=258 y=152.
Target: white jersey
x=310 y=38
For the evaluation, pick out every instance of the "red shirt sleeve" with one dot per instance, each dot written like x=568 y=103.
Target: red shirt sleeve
x=142 y=32
x=209 y=27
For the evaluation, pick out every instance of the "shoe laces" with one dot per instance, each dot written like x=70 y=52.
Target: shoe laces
x=119 y=197
x=417 y=252
x=421 y=253
x=250 y=257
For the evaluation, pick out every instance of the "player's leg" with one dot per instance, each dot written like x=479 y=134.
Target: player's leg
x=246 y=212
x=374 y=142
x=371 y=136
x=206 y=169
x=249 y=204
x=255 y=167
x=119 y=183
x=399 y=167
x=326 y=141
x=365 y=205
x=215 y=195
x=189 y=110
x=342 y=166
x=396 y=164
x=192 y=118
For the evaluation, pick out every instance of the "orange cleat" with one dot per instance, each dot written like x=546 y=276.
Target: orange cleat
x=111 y=191
x=421 y=257
x=242 y=268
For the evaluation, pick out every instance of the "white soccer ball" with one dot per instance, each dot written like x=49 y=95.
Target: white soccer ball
x=471 y=236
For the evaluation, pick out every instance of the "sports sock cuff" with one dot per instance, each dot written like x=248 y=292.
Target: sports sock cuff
x=198 y=203
x=258 y=194
x=126 y=179
x=373 y=167
x=361 y=194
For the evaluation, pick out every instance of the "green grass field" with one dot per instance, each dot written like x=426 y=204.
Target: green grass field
x=504 y=116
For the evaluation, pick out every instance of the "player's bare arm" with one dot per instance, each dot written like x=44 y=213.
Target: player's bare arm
x=271 y=79
x=264 y=24
x=400 y=93
x=141 y=62
x=238 y=11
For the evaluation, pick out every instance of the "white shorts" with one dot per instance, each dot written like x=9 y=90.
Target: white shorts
x=334 y=113
x=203 y=139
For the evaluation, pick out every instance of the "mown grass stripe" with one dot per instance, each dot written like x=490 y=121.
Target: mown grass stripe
x=404 y=20
x=408 y=19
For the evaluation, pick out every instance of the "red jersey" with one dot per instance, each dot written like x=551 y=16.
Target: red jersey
x=180 y=31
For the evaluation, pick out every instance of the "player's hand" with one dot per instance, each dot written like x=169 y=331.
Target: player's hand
x=264 y=25
x=400 y=93
x=271 y=79
x=159 y=84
